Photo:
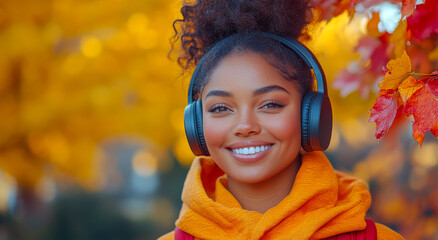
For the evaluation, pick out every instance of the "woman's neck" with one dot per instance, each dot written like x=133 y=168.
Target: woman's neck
x=264 y=195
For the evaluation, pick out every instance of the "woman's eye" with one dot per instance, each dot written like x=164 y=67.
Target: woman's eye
x=273 y=105
x=218 y=109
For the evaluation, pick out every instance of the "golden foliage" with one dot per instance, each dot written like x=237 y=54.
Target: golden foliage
x=73 y=73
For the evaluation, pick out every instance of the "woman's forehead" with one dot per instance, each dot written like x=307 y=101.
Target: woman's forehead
x=245 y=70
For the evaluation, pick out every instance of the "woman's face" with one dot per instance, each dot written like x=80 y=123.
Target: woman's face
x=251 y=118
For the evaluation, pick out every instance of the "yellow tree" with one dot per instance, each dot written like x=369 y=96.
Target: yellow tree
x=73 y=73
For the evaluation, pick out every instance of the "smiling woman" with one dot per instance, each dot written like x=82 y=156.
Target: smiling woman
x=252 y=114
x=253 y=128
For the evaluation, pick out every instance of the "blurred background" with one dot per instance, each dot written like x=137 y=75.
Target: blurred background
x=92 y=144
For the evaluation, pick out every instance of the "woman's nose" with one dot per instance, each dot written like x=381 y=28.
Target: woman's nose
x=246 y=125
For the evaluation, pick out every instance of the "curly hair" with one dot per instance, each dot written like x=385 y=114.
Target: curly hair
x=205 y=22
x=292 y=67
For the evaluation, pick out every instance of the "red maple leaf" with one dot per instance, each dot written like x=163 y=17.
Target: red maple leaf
x=423 y=105
x=424 y=21
x=384 y=111
x=378 y=56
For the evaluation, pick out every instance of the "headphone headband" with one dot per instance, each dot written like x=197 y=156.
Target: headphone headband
x=297 y=47
x=308 y=58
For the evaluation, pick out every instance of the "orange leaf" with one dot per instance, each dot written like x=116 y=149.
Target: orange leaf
x=383 y=112
x=423 y=105
x=398 y=70
x=408 y=87
x=372 y=26
x=385 y=92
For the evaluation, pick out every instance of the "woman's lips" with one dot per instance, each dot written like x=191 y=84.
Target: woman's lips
x=249 y=152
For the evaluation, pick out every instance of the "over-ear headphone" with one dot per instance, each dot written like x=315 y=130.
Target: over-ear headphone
x=316 y=110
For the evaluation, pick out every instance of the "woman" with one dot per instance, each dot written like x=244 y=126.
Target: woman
x=245 y=113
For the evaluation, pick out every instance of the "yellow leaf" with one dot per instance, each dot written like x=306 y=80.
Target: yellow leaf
x=398 y=37
x=398 y=69
x=408 y=87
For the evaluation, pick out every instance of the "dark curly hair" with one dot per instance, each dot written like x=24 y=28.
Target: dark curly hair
x=206 y=22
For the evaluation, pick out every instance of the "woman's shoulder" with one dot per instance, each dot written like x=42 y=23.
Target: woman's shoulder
x=168 y=236
x=384 y=232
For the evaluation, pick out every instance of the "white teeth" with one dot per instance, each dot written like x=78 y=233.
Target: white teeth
x=251 y=150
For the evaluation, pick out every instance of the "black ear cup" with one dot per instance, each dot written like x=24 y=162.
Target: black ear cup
x=194 y=129
x=316 y=122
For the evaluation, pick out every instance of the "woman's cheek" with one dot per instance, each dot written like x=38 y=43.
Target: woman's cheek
x=285 y=127
x=214 y=132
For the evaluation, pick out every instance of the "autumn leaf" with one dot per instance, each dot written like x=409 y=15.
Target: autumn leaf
x=424 y=21
x=361 y=75
x=383 y=112
x=408 y=7
x=354 y=78
x=408 y=87
x=398 y=70
x=419 y=58
x=398 y=38
x=383 y=92
x=379 y=58
x=348 y=80
x=423 y=105
x=372 y=25
x=367 y=46
x=329 y=8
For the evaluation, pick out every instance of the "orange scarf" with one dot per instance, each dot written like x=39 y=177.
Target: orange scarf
x=322 y=203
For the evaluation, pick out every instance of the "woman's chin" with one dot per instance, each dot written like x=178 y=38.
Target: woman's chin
x=246 y=178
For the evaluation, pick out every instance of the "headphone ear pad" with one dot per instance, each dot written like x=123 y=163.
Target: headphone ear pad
x=316 y=122
x=200 y=129
x=305 y=106
x=194 y=129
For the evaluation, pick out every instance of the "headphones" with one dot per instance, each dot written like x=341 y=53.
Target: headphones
x=316 y=110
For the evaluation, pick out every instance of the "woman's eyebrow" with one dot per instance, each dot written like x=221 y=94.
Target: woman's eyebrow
x=266 y=89
x=218 y=93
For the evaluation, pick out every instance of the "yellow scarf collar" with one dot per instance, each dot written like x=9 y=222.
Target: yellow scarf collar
x=322 y=203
